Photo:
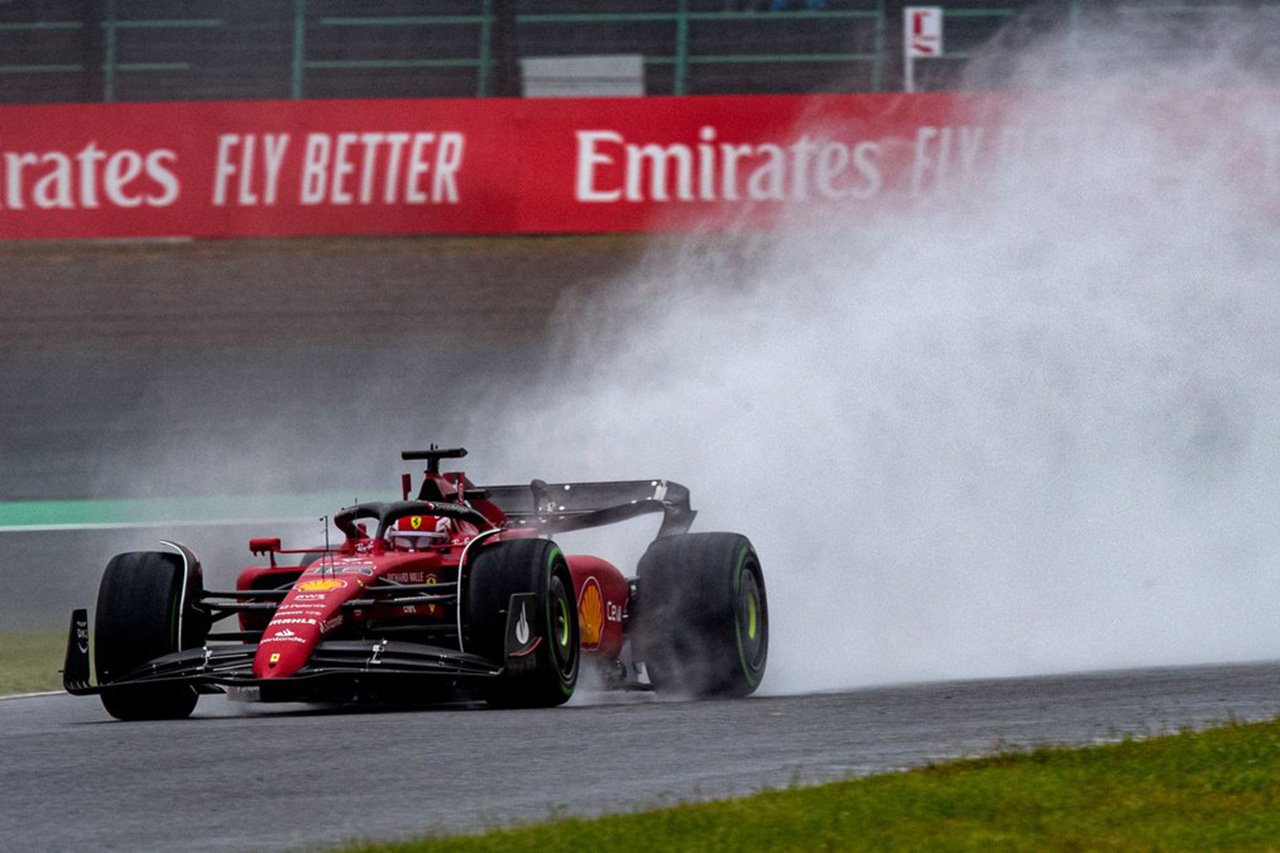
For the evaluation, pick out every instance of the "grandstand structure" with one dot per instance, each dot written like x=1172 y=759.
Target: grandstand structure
x=69 y=51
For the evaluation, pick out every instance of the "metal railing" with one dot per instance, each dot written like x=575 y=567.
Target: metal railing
x=681 y=58
x=113 y=25
x=344 y=48
x=482 y=62
x=119 y=57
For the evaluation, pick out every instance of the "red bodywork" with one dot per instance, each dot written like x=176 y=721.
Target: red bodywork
x=313 y=607
x=459 y=593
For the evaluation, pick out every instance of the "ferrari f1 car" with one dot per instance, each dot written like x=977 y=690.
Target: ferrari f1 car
x=457 y=593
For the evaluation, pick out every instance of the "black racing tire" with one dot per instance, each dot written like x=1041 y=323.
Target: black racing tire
x=701 y=618
x=139 y=605
x=495 y=573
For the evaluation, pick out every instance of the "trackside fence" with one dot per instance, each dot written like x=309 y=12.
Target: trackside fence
x=59 y=51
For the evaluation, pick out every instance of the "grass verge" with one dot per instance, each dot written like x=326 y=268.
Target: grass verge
x=1216 y=789
x=30 y=661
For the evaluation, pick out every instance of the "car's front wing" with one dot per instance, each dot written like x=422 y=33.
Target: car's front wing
x=337 y=669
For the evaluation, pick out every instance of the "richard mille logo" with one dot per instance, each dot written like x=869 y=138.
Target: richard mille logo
x=522 y=627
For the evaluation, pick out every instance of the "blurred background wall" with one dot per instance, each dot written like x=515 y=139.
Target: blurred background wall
x=61 y=51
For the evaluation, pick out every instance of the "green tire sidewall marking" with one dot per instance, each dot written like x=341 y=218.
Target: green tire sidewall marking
x=753 y=677
x=564 y=618
x=566 y=687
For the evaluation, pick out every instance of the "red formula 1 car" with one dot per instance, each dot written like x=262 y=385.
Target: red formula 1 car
x=457 y=594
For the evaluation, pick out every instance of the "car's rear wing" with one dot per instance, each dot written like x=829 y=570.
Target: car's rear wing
x=561 y=507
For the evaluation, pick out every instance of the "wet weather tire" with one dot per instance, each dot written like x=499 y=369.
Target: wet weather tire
x=701 y=615
x=495 y=573
x=140 y=603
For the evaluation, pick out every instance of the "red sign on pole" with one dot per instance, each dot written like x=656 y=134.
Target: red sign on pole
x=923 y=31
x=921 y=37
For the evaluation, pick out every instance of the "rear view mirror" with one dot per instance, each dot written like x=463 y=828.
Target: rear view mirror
x=264 y=546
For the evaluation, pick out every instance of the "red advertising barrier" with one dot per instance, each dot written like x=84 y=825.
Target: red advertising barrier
x=247 y=168
x=258 y=168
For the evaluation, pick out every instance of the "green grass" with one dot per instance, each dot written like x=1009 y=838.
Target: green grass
x=1217 y=789
x=30 y=661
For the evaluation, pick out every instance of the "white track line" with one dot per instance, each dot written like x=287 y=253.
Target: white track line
x=31 y=695
x=128 y=525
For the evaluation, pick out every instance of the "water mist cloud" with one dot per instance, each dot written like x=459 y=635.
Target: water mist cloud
x=1031 y=429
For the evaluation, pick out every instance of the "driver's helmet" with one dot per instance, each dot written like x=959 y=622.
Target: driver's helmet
x=415 y=532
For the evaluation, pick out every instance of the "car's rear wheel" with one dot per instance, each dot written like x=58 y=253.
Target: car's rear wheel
x=140 y=616
x=503 y=569
x=701 y=616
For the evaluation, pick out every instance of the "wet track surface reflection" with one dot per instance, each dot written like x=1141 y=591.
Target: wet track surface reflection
x=241 y=777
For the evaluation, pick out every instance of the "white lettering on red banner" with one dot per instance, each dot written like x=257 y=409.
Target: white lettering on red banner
x=716 y=170
x=88 y=178
x=264 y=168
x=386 y=168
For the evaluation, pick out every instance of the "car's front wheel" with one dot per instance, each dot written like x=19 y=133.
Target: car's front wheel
x=525 y=566
x=140 y=616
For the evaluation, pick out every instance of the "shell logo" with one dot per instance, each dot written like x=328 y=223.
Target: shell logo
x=320 y=585
x=591 y=614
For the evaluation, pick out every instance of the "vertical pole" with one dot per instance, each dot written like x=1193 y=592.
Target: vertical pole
x=505 y=50
x=679 y=84
x=908 y=59
x=486 y=50
x=894 y=22
x=93 y=51
x=877 y=64
x=299 y=48
x=109 y=52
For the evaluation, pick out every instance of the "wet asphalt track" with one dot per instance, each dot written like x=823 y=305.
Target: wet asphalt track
x=280 y=778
